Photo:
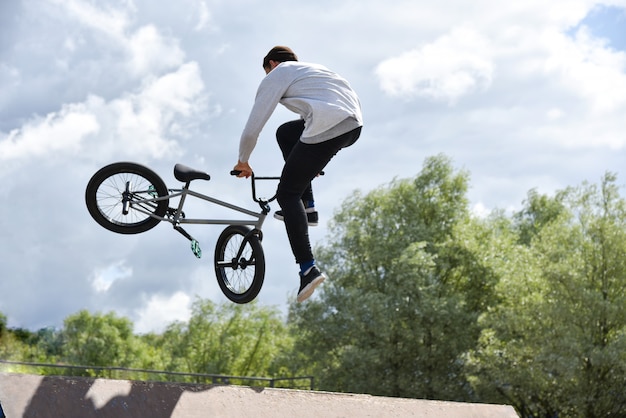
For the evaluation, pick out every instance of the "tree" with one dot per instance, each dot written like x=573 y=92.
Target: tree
x=43 y=346
x=240 y=340
x=539 y=211
x=3 y=325
x=405 y=292
x=12 y=345
x=556 y=344
x=98 y=340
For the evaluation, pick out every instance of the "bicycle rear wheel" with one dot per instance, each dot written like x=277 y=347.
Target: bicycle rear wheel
x=120 y=197
x=239 y=264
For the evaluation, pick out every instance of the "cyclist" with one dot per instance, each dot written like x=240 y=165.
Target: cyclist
x=330 y=119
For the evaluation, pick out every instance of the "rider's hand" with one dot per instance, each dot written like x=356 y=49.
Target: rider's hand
x=246 y=170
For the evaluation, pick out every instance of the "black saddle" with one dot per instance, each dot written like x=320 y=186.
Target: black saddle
x=186 y=174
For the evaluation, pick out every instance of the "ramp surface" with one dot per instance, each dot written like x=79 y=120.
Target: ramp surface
x=39 y=396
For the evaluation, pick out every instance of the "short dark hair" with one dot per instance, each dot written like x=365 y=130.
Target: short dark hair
x=280 y=54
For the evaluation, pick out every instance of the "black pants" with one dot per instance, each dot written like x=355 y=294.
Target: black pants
x=303 y=162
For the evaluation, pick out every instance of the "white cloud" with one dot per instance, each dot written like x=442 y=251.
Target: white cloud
x=148 y=51
x=177 y=90
x=452 y=66
x=587 y=67
x=103 y=278
x=61 y=131
x=162 y=310
x=467 y=60
x=480 y=210
x=146 y=123
x=152 y=53
x=110 y=21
x=204 y=16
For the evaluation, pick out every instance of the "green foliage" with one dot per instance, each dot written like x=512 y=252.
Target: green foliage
x=3 y=325
x=539 y=210
x=239 y=340
x=98 y=340
x=405 y=294
x=556 y=343
x=10 y=347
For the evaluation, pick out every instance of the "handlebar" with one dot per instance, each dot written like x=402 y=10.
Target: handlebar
x=262 y=202
x=237 y=172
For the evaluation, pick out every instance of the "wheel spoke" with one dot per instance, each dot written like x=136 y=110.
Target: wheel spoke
x=109 y=198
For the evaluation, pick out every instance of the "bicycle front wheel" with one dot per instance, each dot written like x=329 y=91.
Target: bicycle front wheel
x=121 y=198
x=239 y=264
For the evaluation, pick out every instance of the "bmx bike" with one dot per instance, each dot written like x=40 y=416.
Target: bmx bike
x=129 y=198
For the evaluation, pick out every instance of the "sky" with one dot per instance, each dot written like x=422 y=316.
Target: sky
x=521 y=95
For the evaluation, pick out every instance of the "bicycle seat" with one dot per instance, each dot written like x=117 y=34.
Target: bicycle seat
x=186 y=174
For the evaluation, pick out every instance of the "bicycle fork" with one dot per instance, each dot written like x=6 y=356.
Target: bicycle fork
x=239 y=261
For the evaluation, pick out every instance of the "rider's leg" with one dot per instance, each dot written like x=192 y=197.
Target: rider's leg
x=303 y=164
x=288 y=135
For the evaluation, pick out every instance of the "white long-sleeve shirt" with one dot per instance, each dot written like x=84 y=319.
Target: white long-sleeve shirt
x=321 y=97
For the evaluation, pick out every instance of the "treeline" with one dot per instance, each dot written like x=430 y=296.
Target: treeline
x=222 y=339
x=425 y=300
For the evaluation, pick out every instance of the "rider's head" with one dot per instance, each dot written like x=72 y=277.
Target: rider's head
x=277 y=55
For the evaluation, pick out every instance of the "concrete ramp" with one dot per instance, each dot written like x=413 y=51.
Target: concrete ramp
x=39 y=396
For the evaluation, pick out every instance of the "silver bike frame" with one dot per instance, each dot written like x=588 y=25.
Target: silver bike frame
x=178 y=219
x=185 y=191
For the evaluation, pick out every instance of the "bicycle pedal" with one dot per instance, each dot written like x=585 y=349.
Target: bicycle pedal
x=195 y=248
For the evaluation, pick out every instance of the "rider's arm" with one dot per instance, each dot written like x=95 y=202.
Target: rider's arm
x=268 y=95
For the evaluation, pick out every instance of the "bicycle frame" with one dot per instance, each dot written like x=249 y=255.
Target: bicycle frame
x=177 y=218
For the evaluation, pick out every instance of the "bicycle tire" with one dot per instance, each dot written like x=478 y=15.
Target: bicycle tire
x=239 y=279
x=104 y=198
